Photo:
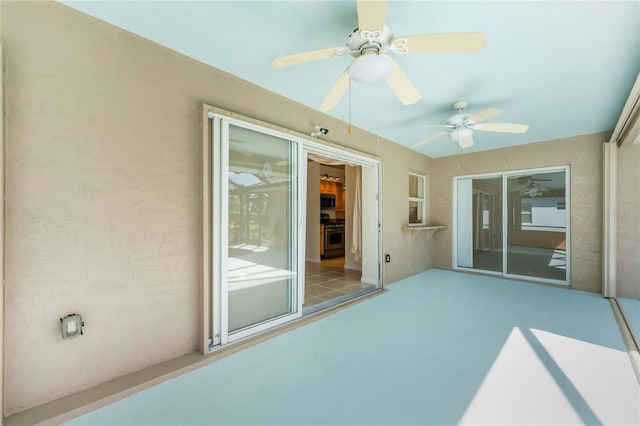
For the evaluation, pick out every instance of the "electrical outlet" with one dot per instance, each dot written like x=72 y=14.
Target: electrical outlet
x=387 y=258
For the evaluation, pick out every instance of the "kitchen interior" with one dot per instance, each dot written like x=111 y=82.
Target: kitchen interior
x=332 y=271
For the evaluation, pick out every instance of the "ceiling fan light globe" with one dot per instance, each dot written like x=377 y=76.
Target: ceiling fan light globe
x=460 y=134
x=371 y=68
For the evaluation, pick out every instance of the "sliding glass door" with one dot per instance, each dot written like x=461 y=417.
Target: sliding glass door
x=537 y=225
x=256 y=283
x=479 y=218
x=514 y=224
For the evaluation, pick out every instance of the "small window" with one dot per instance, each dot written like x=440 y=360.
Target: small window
x=417 y=199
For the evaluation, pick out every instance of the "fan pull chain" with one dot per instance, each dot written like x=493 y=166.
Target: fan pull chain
x=460 y=159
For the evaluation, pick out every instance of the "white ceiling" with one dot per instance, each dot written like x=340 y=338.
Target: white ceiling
x=564 y=68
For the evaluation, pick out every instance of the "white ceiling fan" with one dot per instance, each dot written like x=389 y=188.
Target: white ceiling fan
x=460 y=126
x=369 y=45
x=531 y=187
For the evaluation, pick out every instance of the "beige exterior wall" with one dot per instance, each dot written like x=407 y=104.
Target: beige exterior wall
x=584 y=156
x=2 y=227
x=408 y=256
x=102 y=189
x=628 y=222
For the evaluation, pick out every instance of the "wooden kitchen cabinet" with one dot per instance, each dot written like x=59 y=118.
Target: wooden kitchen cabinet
x=334 y=188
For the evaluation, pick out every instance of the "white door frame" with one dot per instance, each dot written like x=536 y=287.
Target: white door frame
x=220 y=119
x=371 y=268
x=454 y=221
x=505 y=175
x=220 y=301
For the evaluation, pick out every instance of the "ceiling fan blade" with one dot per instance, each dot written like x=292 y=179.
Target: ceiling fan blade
x=336 y=92
x=446 y=43
x=484 y=115
x=445 y=126
x=301 y=58
x=402 y=86
x=429 y=139
x=371 y=14
x=466 y=142
x=501 y=127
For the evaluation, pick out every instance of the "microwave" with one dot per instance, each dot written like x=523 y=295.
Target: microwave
x=327 y=201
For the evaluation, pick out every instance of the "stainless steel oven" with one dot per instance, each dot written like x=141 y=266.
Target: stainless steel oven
x=333 y=240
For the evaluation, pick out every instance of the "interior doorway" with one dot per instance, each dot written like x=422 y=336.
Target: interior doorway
x=336 y=266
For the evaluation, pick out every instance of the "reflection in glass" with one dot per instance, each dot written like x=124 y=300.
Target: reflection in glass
x=415 y=212
x=537 y=226
x=487 y=224
x=416 y=187
x=261 y=261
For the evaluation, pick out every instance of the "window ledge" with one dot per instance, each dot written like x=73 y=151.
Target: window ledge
x=429 y=229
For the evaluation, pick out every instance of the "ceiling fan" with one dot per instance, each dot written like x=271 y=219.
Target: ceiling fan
x=530 y=186
x=460 y=126
x=369 y=45
x=528 y=180
x=532 y=189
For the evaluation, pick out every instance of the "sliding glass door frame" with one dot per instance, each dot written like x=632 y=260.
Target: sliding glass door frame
x=372 y=252
x=456 y=231
x=214 y=285
x=220 y=241
x=505 y=223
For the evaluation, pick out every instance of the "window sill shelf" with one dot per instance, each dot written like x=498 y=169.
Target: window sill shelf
x=429 y=229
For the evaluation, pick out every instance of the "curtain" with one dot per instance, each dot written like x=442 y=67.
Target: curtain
x=356 y=240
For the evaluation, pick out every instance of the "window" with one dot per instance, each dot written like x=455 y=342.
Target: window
x=417 y=199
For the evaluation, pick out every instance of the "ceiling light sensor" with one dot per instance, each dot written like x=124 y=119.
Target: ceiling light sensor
x=319 y=131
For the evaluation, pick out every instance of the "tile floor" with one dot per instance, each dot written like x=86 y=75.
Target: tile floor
x=328 y=279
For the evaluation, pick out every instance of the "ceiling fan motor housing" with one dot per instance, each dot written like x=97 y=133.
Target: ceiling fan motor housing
x=379 y=41
x=458 y=120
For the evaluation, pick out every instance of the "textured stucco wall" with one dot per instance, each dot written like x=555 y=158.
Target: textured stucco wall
x=102 y=196
x=584 y=156
x=408 y=256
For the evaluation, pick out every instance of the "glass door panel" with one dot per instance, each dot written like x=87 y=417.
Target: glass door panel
x=262 y=217
x=464 y=223
x=537 y=225
x=487 y=224
x=479 y=223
